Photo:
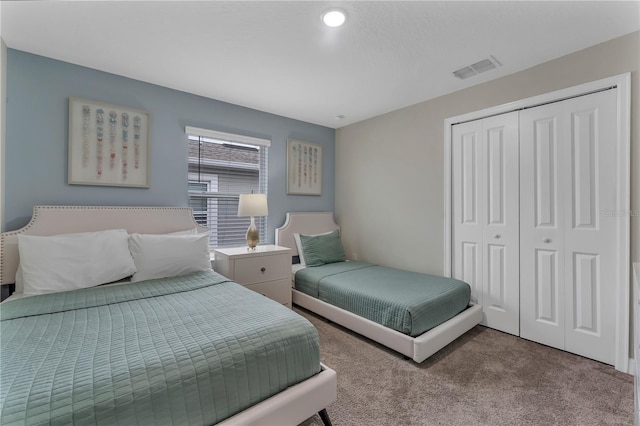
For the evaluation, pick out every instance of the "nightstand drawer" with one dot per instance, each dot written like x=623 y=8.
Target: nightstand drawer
x=280 y=291
x=259 y=269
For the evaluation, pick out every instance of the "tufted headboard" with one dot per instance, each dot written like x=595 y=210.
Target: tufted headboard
x=54 y=220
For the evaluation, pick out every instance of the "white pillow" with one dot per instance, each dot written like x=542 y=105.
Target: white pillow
x=162 y=256
x=19 y=281
x=73 y=261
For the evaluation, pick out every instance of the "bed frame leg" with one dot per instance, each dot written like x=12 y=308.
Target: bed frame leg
x=325 y=417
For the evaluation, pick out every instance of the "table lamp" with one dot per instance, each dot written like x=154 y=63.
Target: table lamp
x=253 y=205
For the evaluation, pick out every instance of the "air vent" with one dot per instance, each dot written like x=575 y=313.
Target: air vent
x=477 y=68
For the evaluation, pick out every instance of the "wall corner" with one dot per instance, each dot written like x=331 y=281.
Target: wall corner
x=3 y=103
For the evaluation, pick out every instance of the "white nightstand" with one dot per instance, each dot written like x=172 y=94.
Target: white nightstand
x=266 y=270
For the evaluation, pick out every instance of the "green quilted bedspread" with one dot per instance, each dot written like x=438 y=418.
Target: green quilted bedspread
x=408 y=302
x=189 y=350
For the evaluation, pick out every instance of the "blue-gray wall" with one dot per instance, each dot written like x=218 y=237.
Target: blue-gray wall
x=38 y=91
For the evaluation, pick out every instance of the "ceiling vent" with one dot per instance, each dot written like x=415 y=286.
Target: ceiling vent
x=477 y=68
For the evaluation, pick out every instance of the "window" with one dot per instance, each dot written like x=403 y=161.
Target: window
x=221 y=167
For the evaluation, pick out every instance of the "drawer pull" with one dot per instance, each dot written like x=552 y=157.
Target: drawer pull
x=263 y=269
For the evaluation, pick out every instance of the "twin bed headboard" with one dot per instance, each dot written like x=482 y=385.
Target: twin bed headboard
x=54 y=220
x=303 y=223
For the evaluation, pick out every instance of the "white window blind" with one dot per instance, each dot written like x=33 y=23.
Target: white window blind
x=221 y=167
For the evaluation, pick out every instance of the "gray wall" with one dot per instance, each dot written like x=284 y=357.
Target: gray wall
x=38 y=90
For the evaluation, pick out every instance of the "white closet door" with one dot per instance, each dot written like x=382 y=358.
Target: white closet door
x=485 y=216
x=501 y=264
x=568 y=241
x=467 y=232
x=542 y=132
x=591 y=244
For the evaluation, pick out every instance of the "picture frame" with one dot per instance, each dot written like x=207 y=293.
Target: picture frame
x=304 y=168
x=109 y=145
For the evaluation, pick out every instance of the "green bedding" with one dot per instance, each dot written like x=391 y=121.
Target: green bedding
x=186 y=350
x=408 y=302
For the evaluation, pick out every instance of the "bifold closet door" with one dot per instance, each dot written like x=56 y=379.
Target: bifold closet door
x=567 y=241
x=485 y=216
x=467 y=230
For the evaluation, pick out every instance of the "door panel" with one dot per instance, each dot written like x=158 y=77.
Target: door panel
x=583 y=169
x=495 y=174
x=541 y=233
x=470 y=269
x=546 y=288
x=469 y=146
x=467 y=227
x=496 y=278
x=545 y=181
x=586 y=292
x=590 y=235
x=501 y=262
x=485 y=216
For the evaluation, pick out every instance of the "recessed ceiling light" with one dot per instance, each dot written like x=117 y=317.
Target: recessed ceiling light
x=334 y=17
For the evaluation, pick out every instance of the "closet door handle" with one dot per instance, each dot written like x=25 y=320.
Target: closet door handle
x=546 y=240
x=496 y=236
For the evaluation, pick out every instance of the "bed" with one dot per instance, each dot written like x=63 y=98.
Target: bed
x=189 y=349
x=412 y=342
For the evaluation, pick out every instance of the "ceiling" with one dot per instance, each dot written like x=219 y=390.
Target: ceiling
x=278 y=57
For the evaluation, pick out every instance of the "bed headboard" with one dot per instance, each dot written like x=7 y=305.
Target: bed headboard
x=303 y=223
x=54 y=220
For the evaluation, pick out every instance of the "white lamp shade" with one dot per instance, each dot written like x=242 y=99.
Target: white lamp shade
x=253 y=205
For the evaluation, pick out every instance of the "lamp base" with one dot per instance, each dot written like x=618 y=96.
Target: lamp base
x=253 y=236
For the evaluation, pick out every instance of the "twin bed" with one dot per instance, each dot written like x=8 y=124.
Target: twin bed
x=187 y=349
x=411 y=313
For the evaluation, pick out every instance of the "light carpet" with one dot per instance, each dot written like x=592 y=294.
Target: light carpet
x=485 y=377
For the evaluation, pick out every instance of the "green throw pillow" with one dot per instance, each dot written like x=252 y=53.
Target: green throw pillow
x=322 y=249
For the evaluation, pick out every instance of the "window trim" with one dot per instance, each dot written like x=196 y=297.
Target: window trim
x=229 y=137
